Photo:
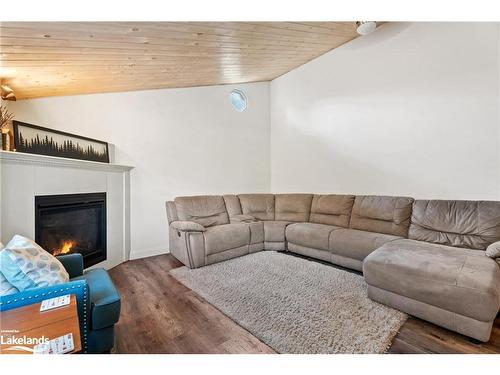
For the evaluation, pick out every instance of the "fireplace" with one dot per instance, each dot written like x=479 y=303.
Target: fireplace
x=72 y=223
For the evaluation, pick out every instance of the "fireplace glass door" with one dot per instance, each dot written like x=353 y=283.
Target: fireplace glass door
x=73 y=223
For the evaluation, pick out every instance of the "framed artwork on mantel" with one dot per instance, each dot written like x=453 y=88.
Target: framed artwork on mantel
x=33 y=139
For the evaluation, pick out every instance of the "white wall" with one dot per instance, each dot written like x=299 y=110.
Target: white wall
x=180 y=141
x=411 y=109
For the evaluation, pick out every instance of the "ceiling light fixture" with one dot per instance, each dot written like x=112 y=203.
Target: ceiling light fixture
x=365 y=27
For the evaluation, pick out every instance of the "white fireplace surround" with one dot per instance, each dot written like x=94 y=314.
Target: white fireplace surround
x=24 y=176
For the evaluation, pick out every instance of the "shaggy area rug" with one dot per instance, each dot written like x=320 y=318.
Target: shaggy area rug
x=295 y=305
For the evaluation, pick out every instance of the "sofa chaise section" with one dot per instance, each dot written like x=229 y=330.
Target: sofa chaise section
x=457 y=287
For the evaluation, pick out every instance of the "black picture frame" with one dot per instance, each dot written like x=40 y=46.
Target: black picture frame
x=41 y=142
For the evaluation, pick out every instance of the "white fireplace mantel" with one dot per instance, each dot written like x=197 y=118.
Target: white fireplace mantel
x=24 y=176
x=22 y=158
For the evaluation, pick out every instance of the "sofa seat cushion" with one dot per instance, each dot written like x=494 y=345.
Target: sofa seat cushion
x=225 y=237
x=310 y=235
x=462 y=281
x=105 y=301
x=256 y=232
x=357 y=244
x=274 y=231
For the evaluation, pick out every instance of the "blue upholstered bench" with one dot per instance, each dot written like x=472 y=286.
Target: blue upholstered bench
x=97 y=298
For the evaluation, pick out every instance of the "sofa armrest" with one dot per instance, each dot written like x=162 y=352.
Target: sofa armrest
x=188 y=247
x=493 y=251
x=187 y=226
x=73 y=263
x=104 y=298
x=242 y=219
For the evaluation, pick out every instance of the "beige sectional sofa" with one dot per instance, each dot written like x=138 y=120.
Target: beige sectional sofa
x=424 y=257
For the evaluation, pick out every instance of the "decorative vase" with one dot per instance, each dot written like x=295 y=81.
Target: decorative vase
x=11 y=141
x=7 y=140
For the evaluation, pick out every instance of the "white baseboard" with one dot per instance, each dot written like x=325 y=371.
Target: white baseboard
x=138 y=254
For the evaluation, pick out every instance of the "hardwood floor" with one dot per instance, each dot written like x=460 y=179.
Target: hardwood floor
x=160 y=315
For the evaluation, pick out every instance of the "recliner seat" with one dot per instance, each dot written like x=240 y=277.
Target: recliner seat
x=426 y=258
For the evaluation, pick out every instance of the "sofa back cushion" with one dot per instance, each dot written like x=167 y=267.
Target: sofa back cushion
x=389 y=215
x=293 y=207
x=233 y=206
x=260 y=206
x=171 y=211
x=207 y=210
x=332 y=209
x=469 y=224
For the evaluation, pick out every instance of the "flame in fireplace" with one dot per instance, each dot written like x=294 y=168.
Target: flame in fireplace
x=65 y=248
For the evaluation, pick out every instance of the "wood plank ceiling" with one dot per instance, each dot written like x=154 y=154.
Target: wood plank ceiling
x=63 y=58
